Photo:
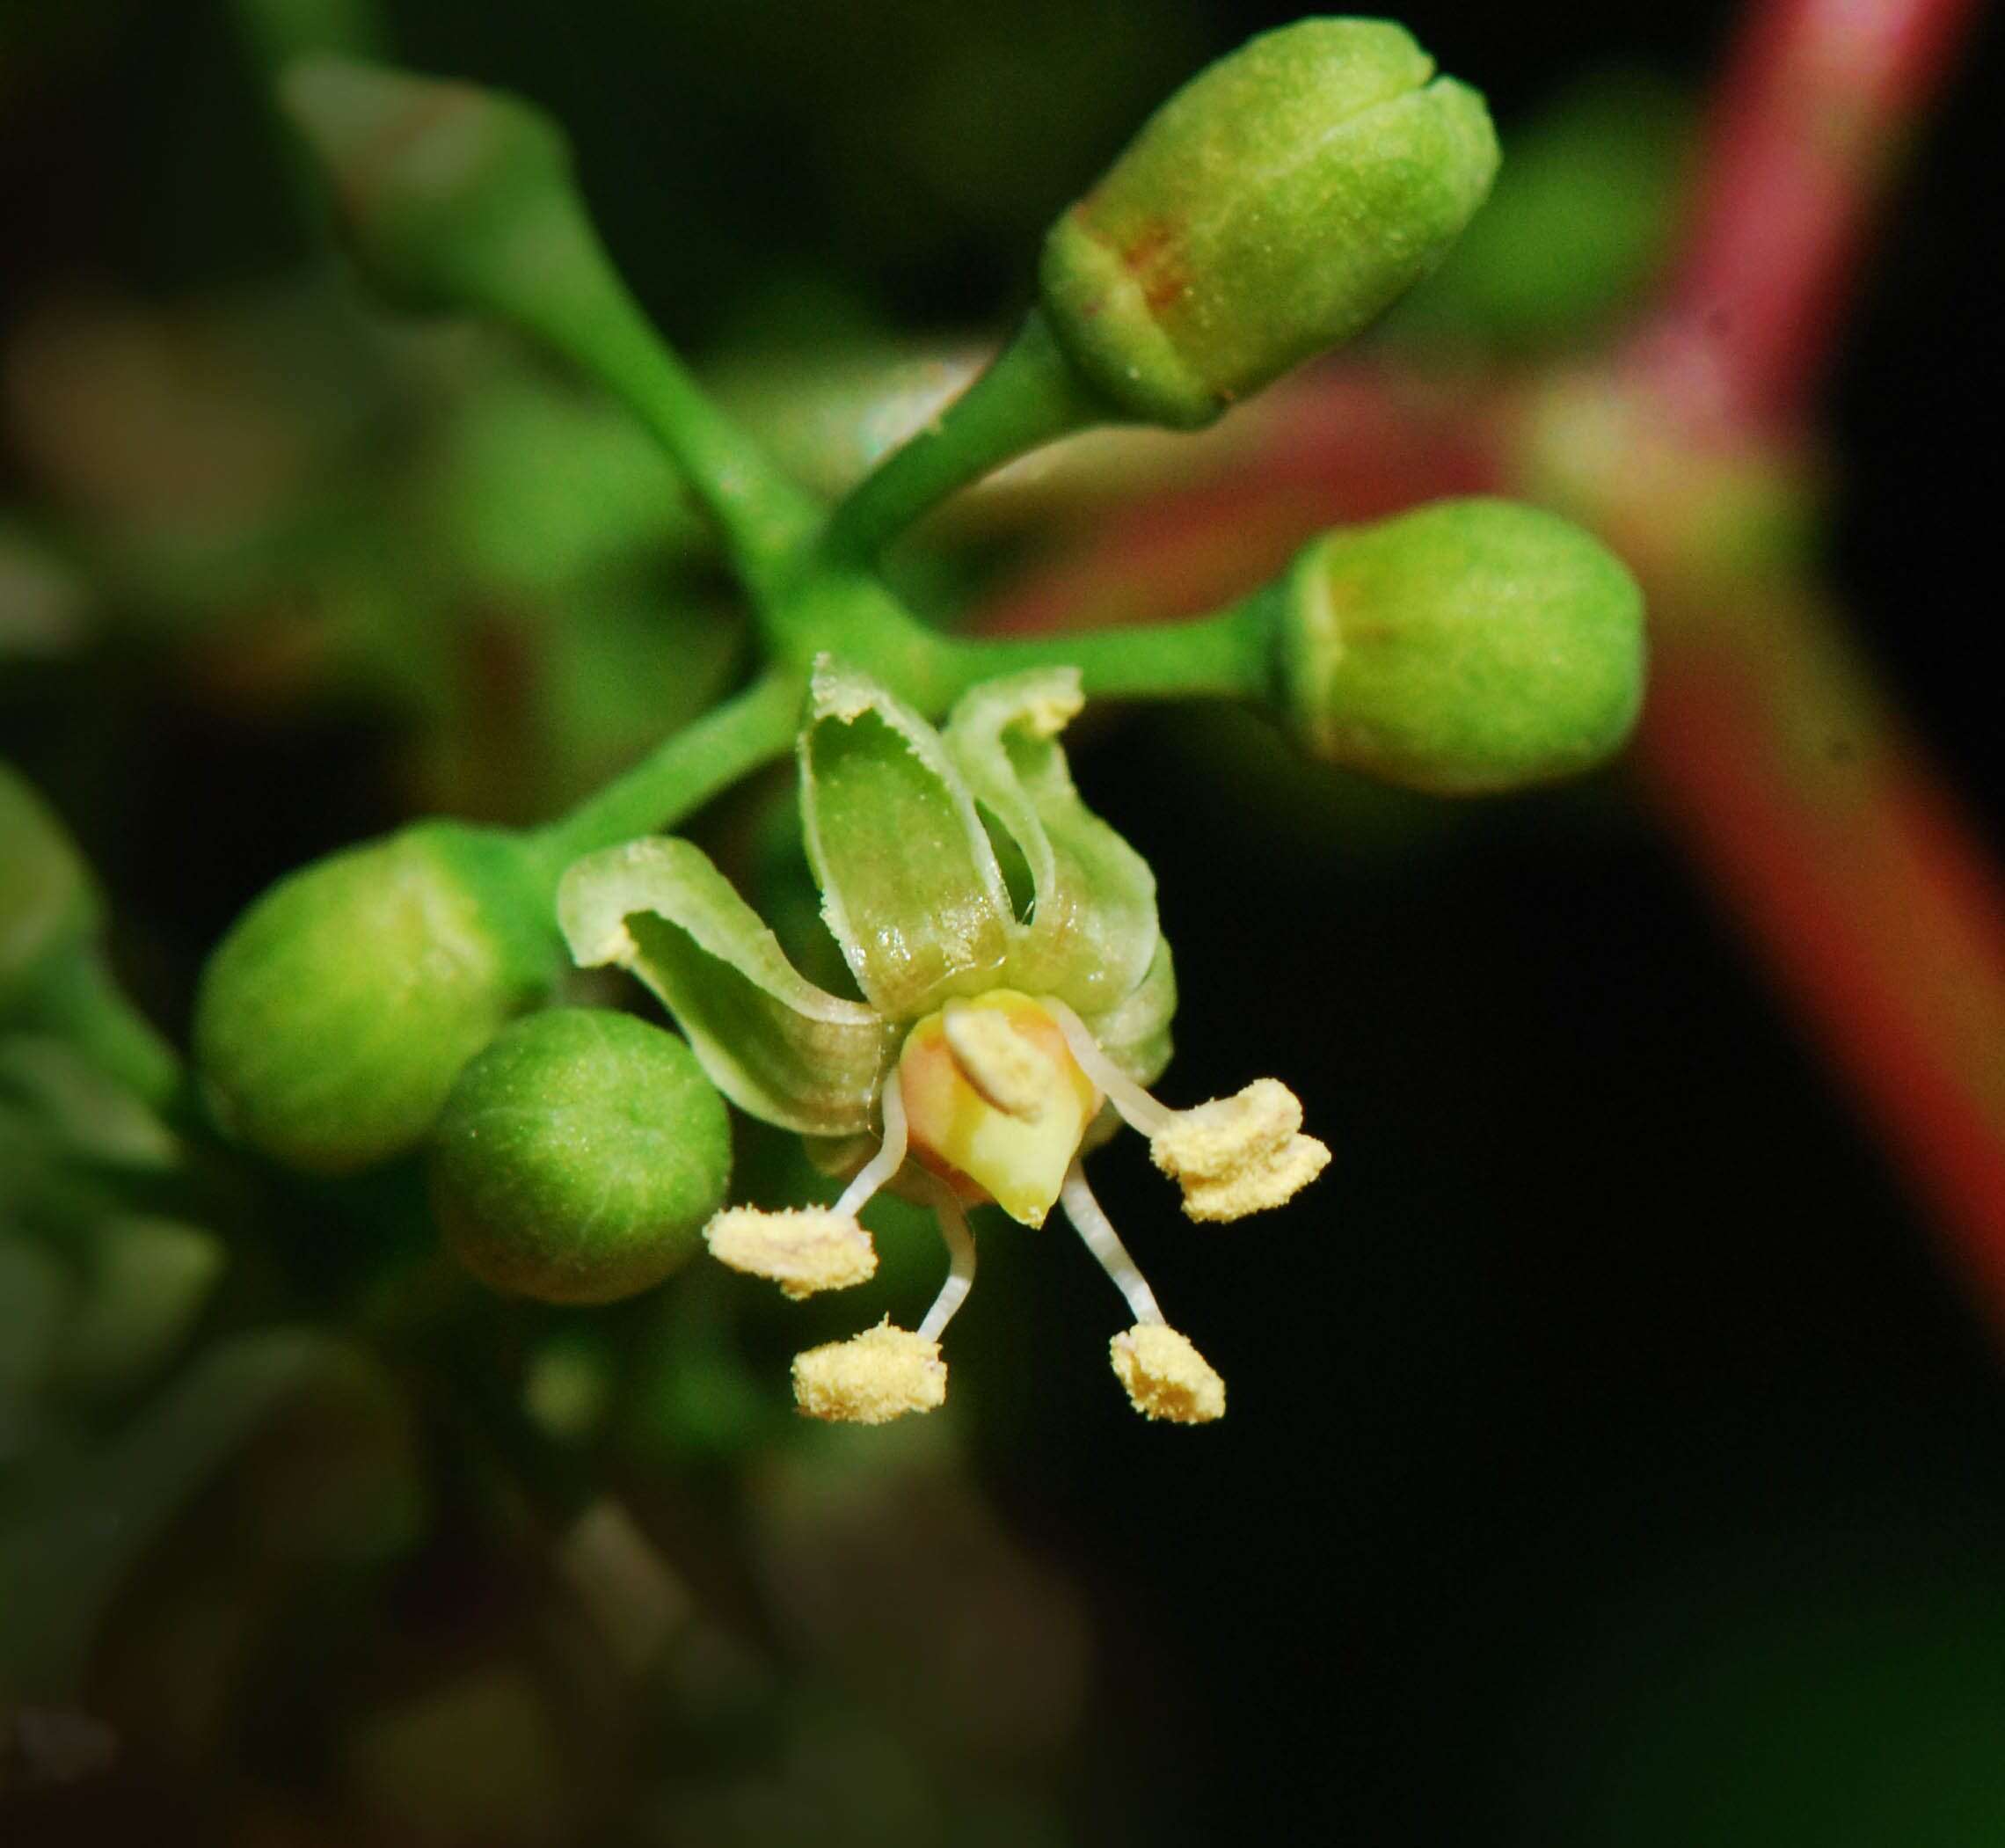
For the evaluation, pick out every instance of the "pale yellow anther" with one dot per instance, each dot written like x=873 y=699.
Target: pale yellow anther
x=1008 y=1072
x=1240 y=1154
x=803 y=1251
x=1276 y=1178
x=1052 y=707
x=1166 y=1376
x=871 y=1378
x=1215 y=1137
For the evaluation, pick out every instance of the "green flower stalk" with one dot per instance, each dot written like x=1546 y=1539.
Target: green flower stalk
x=579 y=1156
x=989 y=1047
x=1267 y=212
x=334 y=1018
x=458 y=199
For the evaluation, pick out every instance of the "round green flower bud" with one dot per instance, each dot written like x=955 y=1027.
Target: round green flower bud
x=437 y=183
x=1268 y=210
x=579 y=1157
x=47 y=898
x=1467 y=646
x=332 y=1019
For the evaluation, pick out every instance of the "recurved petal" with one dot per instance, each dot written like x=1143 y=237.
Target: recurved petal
x=772 y=1041
x=1135 y=1036
x=1091 y=933
x=910 y=883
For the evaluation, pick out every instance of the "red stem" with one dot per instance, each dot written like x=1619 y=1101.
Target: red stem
x=1861 y=885
x=1818 y=98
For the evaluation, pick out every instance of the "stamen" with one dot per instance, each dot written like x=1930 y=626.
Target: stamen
x=960 y=1252
x=1166 y=1376
x=804 y=1250
x=1139 y=1110
x=1240 y=1154
x=1098 y=1232
x=890 y=1157
x=871 y=1378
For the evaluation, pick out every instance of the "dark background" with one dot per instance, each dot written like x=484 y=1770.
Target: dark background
x=1613 y=1456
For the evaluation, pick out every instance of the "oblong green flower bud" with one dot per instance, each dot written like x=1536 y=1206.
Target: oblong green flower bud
x=1467 y=645
x=579 y=1157
x=49 y=900
x=1268 y=210
x=332 y=1019
x=438 y=183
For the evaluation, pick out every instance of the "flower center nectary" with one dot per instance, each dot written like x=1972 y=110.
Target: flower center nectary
x=996 y=1104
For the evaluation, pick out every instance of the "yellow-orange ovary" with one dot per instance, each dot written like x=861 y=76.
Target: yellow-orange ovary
x=983 y=1151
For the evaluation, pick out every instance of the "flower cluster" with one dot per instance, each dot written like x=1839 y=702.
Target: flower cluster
x=991 y=1047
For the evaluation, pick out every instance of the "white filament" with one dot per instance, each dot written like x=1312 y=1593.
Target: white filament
x=1097 y=1231
x=1139 y=1110
x=889 y=1158
x=960 y=1252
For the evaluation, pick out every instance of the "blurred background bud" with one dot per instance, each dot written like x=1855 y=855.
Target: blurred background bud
x=332 y=1019
x=436 y=184
x=48 y=900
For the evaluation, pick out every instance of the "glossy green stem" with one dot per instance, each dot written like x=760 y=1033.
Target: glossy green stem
x=1029 y=396
x=566 y=293
x=679 y=774
x=1227 y=656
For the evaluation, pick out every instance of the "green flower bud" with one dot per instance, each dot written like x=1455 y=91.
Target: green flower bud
x=47 y=898
x=332 y=1019
x=1268 y=210
x=438 y=184
x=579 y=1156
x=1464 y=647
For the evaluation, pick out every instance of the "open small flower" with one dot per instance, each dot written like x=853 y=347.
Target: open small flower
x=991 y=1044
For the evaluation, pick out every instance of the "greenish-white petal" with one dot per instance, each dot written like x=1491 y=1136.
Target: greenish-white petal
x=1091 y=933
x=772 y=1041
x=1135 y=1036
x=910 y=885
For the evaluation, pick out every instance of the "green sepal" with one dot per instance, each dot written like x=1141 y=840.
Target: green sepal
x=773 y=1043
x=1091 y=933
x=910 y=886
